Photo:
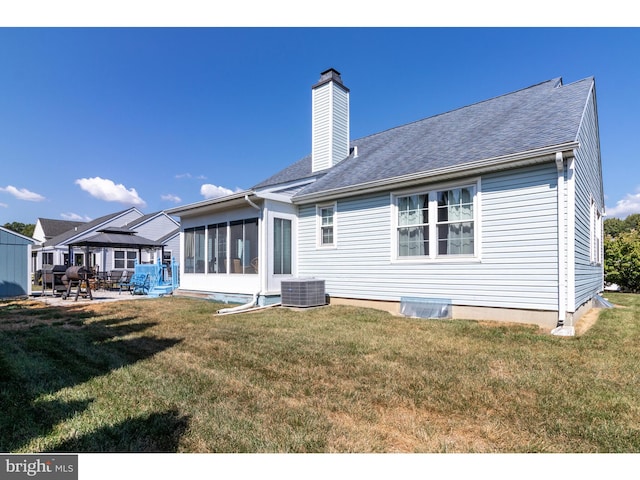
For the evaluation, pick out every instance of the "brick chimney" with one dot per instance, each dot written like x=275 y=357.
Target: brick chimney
x=330 y=121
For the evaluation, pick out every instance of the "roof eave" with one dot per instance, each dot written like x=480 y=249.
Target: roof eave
x=529 y=157
x=219 y=203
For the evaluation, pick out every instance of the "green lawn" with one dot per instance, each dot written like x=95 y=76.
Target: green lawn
x=169 y=375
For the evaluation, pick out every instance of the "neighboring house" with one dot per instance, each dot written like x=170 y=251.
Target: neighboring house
x=157 y=228
x=15 y=275
x=496 y=207
x=48 y=228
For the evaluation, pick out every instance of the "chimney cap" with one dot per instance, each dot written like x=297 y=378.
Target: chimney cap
x=328 y=76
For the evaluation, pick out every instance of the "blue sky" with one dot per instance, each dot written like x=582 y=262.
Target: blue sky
x=94 y=120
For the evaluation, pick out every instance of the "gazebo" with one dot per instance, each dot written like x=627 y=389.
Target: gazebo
x=116 y=237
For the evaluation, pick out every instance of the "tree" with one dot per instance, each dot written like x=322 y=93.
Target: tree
x=632 y=222
x=622 y=260
x=614 y=227
x=21 y=228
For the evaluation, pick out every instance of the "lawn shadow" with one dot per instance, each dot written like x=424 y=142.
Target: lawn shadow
x=46 y=349
x=157 y=432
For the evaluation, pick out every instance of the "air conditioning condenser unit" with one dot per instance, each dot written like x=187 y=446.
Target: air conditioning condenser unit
x=303 y=292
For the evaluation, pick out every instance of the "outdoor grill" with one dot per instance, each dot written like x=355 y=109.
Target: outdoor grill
x=77 y=277
x=77 y=273
x=52 y=278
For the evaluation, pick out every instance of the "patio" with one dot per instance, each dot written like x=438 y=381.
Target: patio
x=99 y=296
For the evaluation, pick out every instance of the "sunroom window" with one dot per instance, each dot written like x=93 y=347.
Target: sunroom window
x=244 y=246
x=281 y=246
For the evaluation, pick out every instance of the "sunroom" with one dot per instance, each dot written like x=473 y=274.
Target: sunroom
x=236 y=247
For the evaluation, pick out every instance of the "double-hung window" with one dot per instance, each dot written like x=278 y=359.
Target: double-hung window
x=124 y=259
x=413 y=225
x=326 y=218
x=595 y=218
x=456 y=222
x=438 y=223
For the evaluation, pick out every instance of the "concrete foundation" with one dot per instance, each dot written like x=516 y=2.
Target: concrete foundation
x=547 y=319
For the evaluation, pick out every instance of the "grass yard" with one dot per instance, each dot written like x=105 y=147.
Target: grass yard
x=168 y=375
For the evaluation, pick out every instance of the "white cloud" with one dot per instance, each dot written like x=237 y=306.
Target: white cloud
x=213 y=191
x=22 y=194
x=625 y=207
x=4 y=205
x=75 y=217
x=171 y=198
x=105 y=189
x=188 y=175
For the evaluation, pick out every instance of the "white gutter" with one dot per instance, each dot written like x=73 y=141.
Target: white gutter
x=246 y=197
x=529 y=157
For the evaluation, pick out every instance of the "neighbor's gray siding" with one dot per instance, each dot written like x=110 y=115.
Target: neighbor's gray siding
x=173 y=246
x=517 y=267
x=15 y=253
x=589 y=277
x=156 y=228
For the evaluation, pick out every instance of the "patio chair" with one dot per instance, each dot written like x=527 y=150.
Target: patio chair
x=120 y=281
x=138 y=284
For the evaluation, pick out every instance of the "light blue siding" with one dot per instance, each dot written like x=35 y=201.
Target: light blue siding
x=589 y=277
x=516 y=268
x=14 y=264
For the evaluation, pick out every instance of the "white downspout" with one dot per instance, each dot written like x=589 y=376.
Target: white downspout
x=260 y=247
x=252 y=303
x=561 y=329
x=246 y=197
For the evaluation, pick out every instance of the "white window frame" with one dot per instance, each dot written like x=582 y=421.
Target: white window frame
x=595 y=233
x=319 y=226
x=126 y=258
x=431 y=192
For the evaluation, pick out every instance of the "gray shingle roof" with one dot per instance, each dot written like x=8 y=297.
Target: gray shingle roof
x=63 y=237
x=298 y=171
x=53 y=227
x=539 y=116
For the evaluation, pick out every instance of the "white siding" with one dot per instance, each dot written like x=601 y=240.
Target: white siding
x=321 y=140
x=330 y=126
x=213 y=282
x=340 y=142
x=517 y=267
x=589 y=277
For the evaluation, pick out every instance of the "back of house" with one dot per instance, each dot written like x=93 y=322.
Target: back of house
x=494 y=209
